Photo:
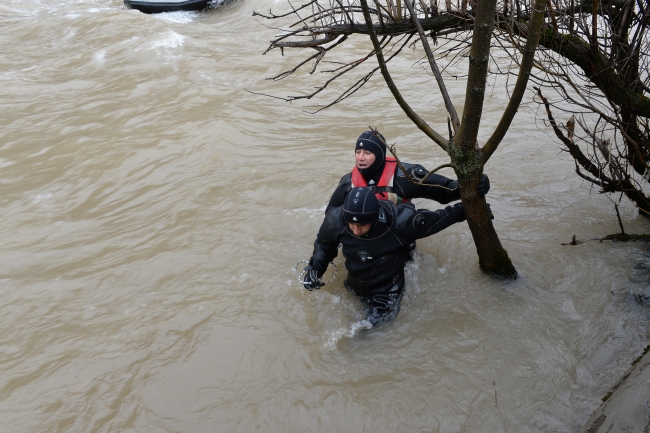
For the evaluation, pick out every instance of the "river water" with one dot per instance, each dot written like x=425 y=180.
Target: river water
x=153 y=210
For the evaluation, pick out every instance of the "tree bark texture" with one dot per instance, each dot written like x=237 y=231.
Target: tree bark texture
x=464 y=152
x=492 y=257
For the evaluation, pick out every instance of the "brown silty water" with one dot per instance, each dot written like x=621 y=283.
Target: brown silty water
x=153 y=211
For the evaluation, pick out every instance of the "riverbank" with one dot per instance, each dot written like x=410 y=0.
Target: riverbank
x=627 y=406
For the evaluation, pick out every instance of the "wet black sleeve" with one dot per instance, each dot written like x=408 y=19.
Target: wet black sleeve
x=436 y=187
x=327 y=241
x=418 y=224
x=339 y=193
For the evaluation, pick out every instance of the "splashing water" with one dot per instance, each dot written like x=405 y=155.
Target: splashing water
x=354 y=329
x=178 y=17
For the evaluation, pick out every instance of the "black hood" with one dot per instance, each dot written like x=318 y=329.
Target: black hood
x=373 y=142
x=361 y=207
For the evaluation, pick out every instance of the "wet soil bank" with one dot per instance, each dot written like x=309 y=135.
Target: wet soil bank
x=626 y=408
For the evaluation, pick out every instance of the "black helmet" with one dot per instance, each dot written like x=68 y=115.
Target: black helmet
x=361 y=207
x=375 y=143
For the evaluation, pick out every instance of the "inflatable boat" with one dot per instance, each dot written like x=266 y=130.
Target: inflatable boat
x=158 y=6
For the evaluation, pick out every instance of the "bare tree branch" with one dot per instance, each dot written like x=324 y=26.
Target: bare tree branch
x=434 y=68
x=417 y=120
x=535 y=25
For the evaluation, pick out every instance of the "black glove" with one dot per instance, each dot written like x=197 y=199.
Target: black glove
x=483 y=185
x=461 y=215
x=311 y=280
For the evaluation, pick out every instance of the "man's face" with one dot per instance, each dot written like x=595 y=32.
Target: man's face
x=359 y=229
x=363 y=158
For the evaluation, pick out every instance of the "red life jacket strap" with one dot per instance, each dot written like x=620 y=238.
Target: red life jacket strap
x=385 y=180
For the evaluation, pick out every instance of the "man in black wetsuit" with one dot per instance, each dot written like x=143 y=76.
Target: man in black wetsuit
x=375 y=237
x=381 y=173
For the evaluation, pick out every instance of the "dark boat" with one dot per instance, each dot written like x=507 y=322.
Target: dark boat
x=158 y=6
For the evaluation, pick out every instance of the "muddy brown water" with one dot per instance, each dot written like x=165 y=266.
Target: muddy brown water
x=152 y=212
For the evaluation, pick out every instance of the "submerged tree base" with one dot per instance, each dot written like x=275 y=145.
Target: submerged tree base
x=501 y=267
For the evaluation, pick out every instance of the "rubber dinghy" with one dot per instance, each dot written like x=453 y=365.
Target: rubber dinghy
x=158 y=6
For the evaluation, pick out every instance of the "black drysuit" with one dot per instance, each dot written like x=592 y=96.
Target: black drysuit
x=435 y=187
x=376 y=260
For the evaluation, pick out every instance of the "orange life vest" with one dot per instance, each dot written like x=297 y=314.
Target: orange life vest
x=385 y=185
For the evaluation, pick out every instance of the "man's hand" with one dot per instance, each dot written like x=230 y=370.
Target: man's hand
x=311 y=281
x=490 y=211
x=483 y=185
x=459 y=207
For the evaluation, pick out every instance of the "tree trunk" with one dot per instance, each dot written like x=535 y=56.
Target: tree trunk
x=492 y=257
x=464 y=152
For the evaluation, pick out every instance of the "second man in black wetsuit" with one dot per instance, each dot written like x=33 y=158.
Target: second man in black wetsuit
x=375 y=237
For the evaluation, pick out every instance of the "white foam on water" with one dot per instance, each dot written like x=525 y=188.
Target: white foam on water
x=216 y=3
x=171 y=39
x=39 y=152
x=36 y=8
x=40 y=197
x=28 y=9
x=334 y=338
x=206 y=77
x=42 y=201
x=178 y=17
x=11 y=74
x=358 y=326
x=411 y=275
x=6 y=163
x=355 y=328
x=570 y=310
x=100 y=56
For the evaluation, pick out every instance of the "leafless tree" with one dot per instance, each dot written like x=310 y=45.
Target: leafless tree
x=595 y=64
x=467 y=27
